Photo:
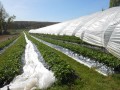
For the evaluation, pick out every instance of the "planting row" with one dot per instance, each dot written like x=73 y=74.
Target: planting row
x=71 y=39
x=63 y=71
x=6 y=42
x=89 y=78
x=10 y=61
x=64 y=38
x=102 y=57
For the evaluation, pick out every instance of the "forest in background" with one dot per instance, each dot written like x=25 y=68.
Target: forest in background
x=29 y=24
x=114 y=3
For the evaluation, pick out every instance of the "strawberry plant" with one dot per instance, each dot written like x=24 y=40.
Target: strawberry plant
x=10 y=61
x=63 y=72
x=97 y=55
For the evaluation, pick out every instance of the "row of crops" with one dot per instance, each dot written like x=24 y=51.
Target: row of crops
x=63 y=72
x=71 y=39
x=83 y=74
x=98 y=55
x=10 y=61
x=69 y=74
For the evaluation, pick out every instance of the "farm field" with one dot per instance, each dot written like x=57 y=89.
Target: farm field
x=59 y=45
x=69 y=74
x=85 y=74
x=100 y=56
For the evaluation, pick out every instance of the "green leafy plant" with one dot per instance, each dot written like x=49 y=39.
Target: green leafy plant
x=97 y=55
x=63 y=72
x=10 y=61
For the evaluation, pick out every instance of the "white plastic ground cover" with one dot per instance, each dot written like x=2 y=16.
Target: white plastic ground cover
x=99 y=67
x=100 y=29
x=34 y=75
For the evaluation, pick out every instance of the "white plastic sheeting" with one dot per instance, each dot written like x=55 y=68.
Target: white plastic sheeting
x=34 y=73
x=101 y=29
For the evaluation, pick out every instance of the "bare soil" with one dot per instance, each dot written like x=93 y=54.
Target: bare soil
x=5 y=37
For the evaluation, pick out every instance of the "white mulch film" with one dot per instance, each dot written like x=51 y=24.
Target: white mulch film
x=101 y=29
x=35 y=75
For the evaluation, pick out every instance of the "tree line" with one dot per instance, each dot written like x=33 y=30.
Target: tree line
x=5 y=20
x=114 y=3
x=29 y=24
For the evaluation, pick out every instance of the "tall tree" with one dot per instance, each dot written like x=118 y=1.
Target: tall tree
x=3 y=16
x=5 y=19
x=114 y=3
x=7 y=22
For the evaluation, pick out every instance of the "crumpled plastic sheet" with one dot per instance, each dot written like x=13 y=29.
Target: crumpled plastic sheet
x=34 y=75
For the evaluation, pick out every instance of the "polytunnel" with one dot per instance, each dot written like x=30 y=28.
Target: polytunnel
x=74 y=26
x=100 y=29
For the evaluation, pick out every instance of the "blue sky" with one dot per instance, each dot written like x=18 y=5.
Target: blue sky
x=52 y=10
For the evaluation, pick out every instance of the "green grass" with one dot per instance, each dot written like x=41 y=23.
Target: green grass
x=90 y=79
x=97 y=55
x=10 y=61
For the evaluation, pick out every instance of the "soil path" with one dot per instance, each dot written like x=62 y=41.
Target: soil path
x=5 y=37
